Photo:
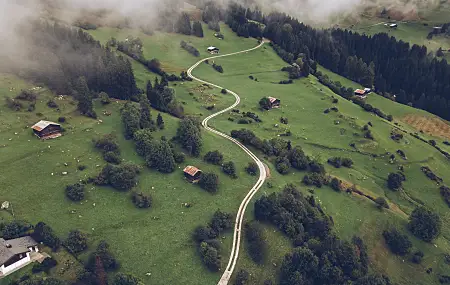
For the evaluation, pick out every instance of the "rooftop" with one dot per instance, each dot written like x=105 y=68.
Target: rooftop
x=191 y=170
x=360 y=92
x=272 y=99
x=39 y=126
x=9 y=248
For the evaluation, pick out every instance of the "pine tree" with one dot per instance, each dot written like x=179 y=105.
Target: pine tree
x=197 y=29
x=131 y=119
x=160 y=121
x=149 y=89
x=145 y=121
x=83 y=94
x=183 y=25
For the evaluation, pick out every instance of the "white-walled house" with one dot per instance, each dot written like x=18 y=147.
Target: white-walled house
x=15 y=254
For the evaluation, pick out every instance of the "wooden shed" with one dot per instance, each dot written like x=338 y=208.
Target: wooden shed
x=274 y=102
x=192 y=173
x=47 y=130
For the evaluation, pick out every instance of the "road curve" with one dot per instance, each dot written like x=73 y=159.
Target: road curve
x=262 y=170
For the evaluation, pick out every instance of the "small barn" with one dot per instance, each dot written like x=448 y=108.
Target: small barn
x=213 y=50
x=192 y=173
x=360 y=93
x=274 y=102
x=47 y=130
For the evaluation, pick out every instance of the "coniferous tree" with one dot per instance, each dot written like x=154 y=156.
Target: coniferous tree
x=84 y=97
x=183 y=25
x=160 y=121
x=130 y=119
x=197 y=29
x=145 y=120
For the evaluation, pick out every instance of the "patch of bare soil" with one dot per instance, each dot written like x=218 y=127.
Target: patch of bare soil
x=430 y=125
x=267 y=170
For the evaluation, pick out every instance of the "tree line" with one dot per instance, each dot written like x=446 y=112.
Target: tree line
x=394 y=67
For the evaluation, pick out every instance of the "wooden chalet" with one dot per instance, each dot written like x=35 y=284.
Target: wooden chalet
x=47 y=130
x=360 y=93
x=192 y=173
x=274 y=102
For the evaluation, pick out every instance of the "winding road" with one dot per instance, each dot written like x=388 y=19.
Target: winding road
x=262 y=171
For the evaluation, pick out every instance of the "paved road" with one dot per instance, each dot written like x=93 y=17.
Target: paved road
x=262 y=171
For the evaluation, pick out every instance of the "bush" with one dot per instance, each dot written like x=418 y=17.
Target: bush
x=445 y=193
x=75 y=192
x=81 y=167
x=417 y=257
x=395 y=181
x=209 y=182
x=61 y=119
x=52 y=104
x=282 y=165
x=45 y=266
x=107 y=259
x=257 y=246
x=425 y=224
x=189 y=48
x=44 y=234
x=397 y=242
x=336 y=184
x=218 y=68
x=26 y=95
x=210 y=256
x=179 y=157
x=242 y=277
x=284 y=120
x=112 y=157
x=76 y=242
x=214 y=157
x=381 y=203
x=252 y=168
x=122 y=177
x=224 y=91
x=13 y=104
x=229 y=169
x=141 y=201
x=221 y=221
x=125 y=279
x=104 y=98
x=315 y=179
x=340 y=161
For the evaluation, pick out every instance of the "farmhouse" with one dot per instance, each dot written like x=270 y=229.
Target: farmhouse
x=17 y=253
x=192 y=173
x=274 y=102
x=213 y=50
x=362 y=93
x=47 y=130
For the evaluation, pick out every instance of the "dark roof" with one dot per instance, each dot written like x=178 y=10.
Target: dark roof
x=15 y=246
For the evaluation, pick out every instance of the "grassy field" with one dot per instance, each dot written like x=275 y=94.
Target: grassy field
x=326 y=135
x=158 y=240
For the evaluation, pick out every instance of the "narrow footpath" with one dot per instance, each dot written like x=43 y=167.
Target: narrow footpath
x=262 y=170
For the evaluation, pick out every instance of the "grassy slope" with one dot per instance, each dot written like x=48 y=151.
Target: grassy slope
x=303 y=104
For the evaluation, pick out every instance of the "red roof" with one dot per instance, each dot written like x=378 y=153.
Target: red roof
x=360 y=92
x=191 y=170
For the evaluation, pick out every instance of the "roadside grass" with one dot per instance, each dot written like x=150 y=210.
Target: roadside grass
x=319 y=134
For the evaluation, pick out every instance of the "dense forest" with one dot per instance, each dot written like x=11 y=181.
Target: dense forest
x=61 y=55
x=393 y=67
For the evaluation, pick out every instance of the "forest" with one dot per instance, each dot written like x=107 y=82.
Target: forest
x=394 y=68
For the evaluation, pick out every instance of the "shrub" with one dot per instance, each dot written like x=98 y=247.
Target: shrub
x=141 y=201
x=122 y=177
x=61 y=119
x=15 y=229
x=112 y=157
x=336 y=184
x=75 y=192
x=417 y=257
x=257 y=246
x=44 y=234
x=210 y=256
x=81 y=167
x=52 y=104
x=425 y=224
x=31 y=107
x=224 y=91
x=335 y=101
x=445 y=193
x=229 y=169
x=179 y=157
x=125 y=279
x=221 y=221
x=242 y=277
x=218 y=68
x=315 y=179
x=397 y=242
x=26 y=95
x=76 y=242
x=282 y=165
x=316 y=167
x=13 y=104
x=252 y=168
x=395 y=181
x=104 y=98
x=107 y=259
x=284 y=120
x=381 y=203
x=45 y=266
x=209 y=182
x=214 y=157
x=189 y=48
